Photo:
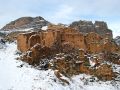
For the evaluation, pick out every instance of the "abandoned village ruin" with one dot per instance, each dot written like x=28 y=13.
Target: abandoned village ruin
x=81 y=47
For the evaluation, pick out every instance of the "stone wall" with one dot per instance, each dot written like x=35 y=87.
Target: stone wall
x=34 y=39
x=91 y=42
x=69 y=51
x=76 y=39
x=50 y=37
x=22 y=41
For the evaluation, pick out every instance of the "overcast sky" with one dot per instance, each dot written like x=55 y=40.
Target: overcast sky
x=63 y=11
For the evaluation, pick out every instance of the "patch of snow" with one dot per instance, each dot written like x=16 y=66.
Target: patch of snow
x=44 y=28
x=15 y=30
x=27 y=29
x=92 y=63
x=97 y=26
x=65 y=78
x=116 y=68
x=2 y=45
x=42 y=20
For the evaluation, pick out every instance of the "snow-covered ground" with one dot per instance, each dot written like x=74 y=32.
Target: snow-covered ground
x=14 y=77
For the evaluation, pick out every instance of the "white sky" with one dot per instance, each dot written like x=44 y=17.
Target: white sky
x=63 y=11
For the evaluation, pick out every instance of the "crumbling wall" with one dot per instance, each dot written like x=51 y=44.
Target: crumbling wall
x=22 y=41
x=110 y=46
x=91 y=42
x=33 y=40
x=76 y=38
x=50 y=37
x=69 y=51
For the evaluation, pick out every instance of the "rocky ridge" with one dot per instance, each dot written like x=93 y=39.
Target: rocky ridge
x=99 y=27
x=117 y=40
x=26 y=22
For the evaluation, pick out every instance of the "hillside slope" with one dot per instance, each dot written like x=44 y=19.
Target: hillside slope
x=26 y=22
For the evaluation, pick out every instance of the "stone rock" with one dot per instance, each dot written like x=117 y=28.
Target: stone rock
x=26 y=22
x=82 y=54
x=84 y=69
x=22 y=41
x=110 y=46
x=98 y=27
x=113 y=57
x=70 y=51
x=66 y=39
x=93 y=41
x=117 y=40
x=101 y=24
x=34 y=39
x=36 y=53
x=67 y=47
x=83 y=26
x=59 y=76
x=36 y=50
x=33 y=55
x=105 y=72
x=70 y=65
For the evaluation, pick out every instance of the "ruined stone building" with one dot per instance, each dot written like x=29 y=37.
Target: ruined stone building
x=57 y=47
x=59 y=35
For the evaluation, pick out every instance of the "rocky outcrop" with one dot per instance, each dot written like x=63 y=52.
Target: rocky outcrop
x=117 y=40
x=113 y=57
x=26 y=22
x=36 y=53
x=60 y=77
x=66 y=37
x=22 y=41
x=105 y=72
x=98 y=27
x=69 y=51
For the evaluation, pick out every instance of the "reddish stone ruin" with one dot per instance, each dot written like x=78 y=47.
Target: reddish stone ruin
x=91 y=42
x=67 y=50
